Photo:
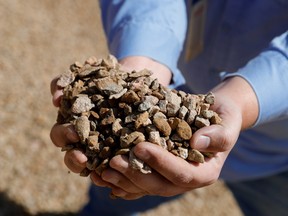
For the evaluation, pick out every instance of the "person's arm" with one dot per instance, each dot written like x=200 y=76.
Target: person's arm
x=147 y=29
x=267 y=74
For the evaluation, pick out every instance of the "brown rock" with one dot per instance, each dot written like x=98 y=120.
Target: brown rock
x=138 y=164
x=82 y=104
x=132 y=138
x=162 y=125
x=142 y=120
x=201 y=122
x=195 y=155
x=183 y=130
x=65 y=79
x=82 y=127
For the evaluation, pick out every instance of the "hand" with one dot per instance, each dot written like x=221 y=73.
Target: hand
x=172 y=175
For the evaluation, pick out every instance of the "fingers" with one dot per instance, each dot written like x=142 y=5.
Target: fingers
x=53 y=85
x=75 y=160
x=97 y=180
x=120 y=185
x=56 y=97
x=217 y=138
x=171 y=175
x=118 y=179
x=153 y=184
x=178 y=171
x=63 y=134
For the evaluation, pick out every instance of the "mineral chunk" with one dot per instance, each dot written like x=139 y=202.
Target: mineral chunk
x=82 y=127
x=138 y=164
x=66 y=79
x=82 y=104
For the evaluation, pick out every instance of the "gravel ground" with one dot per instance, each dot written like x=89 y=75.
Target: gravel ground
x=39 y=39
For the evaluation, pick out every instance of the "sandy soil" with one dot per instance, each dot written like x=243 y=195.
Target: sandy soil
x=39 y=39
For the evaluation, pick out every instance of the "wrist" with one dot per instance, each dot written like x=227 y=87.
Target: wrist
x=239 y=96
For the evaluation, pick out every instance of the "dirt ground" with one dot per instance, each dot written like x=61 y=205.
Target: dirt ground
x=39 y=40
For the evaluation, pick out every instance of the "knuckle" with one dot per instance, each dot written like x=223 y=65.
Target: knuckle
x=224 y=141
x=71 y=162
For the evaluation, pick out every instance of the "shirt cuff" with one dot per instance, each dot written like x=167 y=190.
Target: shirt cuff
x=268 y=76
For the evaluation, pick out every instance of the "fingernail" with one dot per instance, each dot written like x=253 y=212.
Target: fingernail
x=72 y=135
x=202 y=142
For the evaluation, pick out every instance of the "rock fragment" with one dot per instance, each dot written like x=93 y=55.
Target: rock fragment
x=184 y=130
x=195 y=156
x=65 y=79
x=82 y=127
x=82 y=104
x=138 y=164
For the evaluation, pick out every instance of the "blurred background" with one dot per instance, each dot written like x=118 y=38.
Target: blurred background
x=39 y=39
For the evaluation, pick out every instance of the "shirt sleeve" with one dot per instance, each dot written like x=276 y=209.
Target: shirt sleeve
x=268 y=75
x=155 y=29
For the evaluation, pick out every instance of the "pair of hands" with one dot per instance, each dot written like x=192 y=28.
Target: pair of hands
x=171 y=175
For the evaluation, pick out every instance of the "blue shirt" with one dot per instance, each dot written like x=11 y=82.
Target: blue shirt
x=241 y=38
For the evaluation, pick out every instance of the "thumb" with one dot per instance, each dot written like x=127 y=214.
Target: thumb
x=215 y=138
